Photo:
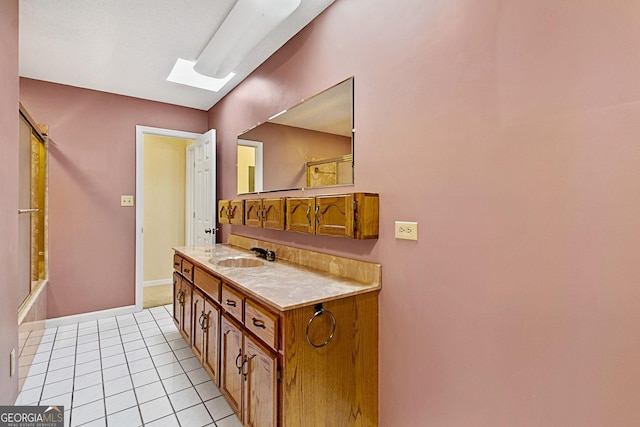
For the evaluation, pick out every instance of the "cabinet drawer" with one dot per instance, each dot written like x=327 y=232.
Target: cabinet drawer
x=177 y=263
x=187 y=270
x=232 y=302
x=207 y=283
x=263 y=323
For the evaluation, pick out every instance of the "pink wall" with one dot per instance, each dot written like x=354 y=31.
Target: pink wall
x=91 y=163
x=509 y=131
x=8 y=196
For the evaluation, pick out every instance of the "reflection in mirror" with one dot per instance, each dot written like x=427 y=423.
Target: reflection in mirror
x=309 y=145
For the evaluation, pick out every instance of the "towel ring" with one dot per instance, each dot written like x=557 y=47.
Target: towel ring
x=319 y=311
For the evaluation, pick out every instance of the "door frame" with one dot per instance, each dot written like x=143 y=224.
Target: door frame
x=141 y=131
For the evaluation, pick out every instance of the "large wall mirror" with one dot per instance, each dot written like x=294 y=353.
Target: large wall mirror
x=308 y=145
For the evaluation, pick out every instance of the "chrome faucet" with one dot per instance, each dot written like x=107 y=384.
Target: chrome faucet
x=264 y=253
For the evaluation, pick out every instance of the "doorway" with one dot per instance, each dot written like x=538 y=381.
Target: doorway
x=160 y=208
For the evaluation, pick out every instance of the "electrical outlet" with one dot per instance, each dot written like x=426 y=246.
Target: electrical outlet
x=126 y=200
x=406 y=230
x=12 y=362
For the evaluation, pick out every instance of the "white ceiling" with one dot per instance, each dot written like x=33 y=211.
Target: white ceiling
x=129 y=47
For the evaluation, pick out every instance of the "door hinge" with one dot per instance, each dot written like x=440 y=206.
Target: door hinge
x=279 y=375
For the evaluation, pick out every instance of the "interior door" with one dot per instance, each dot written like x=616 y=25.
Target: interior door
x=204 y=189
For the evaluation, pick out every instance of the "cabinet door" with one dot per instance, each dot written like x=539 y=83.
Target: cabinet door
x=300 y=212
x=230 y=364
x=198 y=331
x=211 y=357
x=185 y=324
x=273 y=213
x=223 y=212
x=177 y=298
x=236 y=212
x=261 y=385
x=253 y=213
x=334 y=215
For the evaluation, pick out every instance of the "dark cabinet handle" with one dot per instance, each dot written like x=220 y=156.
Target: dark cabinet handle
x=239 y=358
x=176 y=264
x=231 y=303
x=186 y=270
x=259 y=323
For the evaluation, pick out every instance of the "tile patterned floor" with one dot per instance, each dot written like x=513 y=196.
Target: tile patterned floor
x=130 y=370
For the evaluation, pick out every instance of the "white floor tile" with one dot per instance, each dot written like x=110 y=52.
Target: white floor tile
x=198 y=376
x=159 y=349
x=154 y=340
x=134 y=345
x=129 y=329
x=110 y=361
x=59 y=375
x=34 y=381
x=88 y=367
x=218 y=408
x=194 y=416
x=89 y=412
x=131 y=337
x=100 y=422
x=170 y=421
x=93 y=330
x=170 y=370
x=176 y=383
x=67 y=328
x=66 y=335
x=191 y=363
x=38 y=368
x=120 y=401
x=109 y=341
x=87 y=395
x=41 y=357
x=87 y=325
x=111 y=351
x=150 y=392
x=178 y=344
x=207 y=391
x=29 y=397
x=63 y=352
x=63 y=362
x=184 y=353
x=91 y=337
x=70 y=342
x=87 y=346
x=136 y=354
x=151 y=332
x=62 y=400
x=230 y=421
x=127 y=418
x=140 y=365
x=28 y=350
x=88 y=356
x=87 y=380
x=117 y=386
x=114 y=372
x=145 y=377
x=184 y=399
x=155 y=409
x=57 y=389
x=147 y=325
x=45 y=347
x=164 y=359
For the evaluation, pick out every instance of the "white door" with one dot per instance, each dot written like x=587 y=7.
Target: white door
x=204 y=189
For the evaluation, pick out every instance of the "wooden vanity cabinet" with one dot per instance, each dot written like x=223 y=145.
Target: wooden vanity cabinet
x=249 y=373
x=231 y=212
x=206 y=330
x=182 y=293
x=353 y=215
x=265 y=213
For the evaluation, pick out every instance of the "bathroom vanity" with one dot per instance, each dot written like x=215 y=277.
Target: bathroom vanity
x=290 y=343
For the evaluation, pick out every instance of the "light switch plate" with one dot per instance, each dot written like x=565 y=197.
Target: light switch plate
x=126 y=200
x=406 y=230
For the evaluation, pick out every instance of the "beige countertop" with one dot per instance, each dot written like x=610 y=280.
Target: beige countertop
x=280 y=284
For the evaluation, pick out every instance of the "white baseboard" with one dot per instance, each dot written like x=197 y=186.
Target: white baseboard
x=87 y=317
x=158 y=282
